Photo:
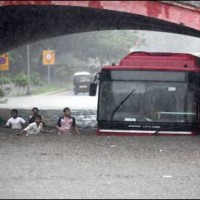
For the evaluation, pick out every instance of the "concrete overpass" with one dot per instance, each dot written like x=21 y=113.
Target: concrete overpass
x=23 y=22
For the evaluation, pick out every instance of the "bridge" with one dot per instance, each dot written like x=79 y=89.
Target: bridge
x=23 y=22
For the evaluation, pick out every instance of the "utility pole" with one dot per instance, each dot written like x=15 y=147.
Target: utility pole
x=49 y=74
x=49 y=69
x=28 y=68
x=2 y=80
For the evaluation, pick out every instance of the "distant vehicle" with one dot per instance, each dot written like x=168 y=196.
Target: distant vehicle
x=149 y=93
x=81 y=82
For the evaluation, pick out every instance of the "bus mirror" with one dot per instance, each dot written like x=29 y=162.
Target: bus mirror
x=93 y=89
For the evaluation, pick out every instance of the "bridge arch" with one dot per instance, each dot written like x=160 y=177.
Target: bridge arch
x=24 y=22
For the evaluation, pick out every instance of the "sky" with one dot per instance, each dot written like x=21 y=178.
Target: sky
x=160 y=41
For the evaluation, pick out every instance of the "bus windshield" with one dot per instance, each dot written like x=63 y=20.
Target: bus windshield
x=160 y=96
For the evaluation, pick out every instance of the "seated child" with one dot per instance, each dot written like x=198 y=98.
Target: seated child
x=34 y=128
x=35 y=112
x=15 y=122
x=66 y=123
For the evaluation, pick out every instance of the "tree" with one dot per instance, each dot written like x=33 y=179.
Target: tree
x=22 y=81
x=67 y=67
x=17 y=60
x=108 y=46
x=105 y=45
x=73 y=52
x=35 y=79
x=2 y=94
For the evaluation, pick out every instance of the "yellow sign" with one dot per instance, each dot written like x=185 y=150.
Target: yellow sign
x=4 y=62
x=48 y=57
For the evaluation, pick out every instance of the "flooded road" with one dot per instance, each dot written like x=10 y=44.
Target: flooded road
x=89 y=166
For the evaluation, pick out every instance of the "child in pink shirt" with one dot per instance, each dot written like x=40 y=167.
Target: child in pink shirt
x=66 y=123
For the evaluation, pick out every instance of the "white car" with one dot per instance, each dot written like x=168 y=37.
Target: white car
x=81 y=82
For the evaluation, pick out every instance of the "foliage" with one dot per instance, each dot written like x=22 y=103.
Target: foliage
x=2 y=94
x=5 y=80
x=17 y=60
x=73 y=53
x=21 y=80
x=108 y=46
x=69 y=66
x=61 y=73
x=35 y=79
x=47 y=89
x=15 y=56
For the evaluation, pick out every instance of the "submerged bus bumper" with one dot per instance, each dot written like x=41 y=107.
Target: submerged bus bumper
x=109 y=132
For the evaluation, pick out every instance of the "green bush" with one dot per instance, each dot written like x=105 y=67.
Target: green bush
x=5 y=80
x=21 y=80
x=36 y=79
x=2 y=94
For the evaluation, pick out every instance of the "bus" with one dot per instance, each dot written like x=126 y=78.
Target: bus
x=149 y=93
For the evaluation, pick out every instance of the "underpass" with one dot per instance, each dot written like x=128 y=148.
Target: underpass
x=87 y=166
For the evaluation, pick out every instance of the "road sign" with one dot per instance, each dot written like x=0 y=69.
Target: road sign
x=48 y=57
x=4 y=62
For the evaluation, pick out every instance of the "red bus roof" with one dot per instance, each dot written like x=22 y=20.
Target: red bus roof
x=160 y=61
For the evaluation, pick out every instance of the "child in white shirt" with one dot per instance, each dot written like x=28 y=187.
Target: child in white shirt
x=15 y=122
x=34 y=128
x=35 y=112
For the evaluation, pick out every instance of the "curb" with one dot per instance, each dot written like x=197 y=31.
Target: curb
x=50 y=93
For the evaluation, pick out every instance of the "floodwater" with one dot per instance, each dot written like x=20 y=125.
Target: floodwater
x=91 y=166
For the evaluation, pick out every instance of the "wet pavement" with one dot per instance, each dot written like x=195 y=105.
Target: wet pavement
x=90 y=166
